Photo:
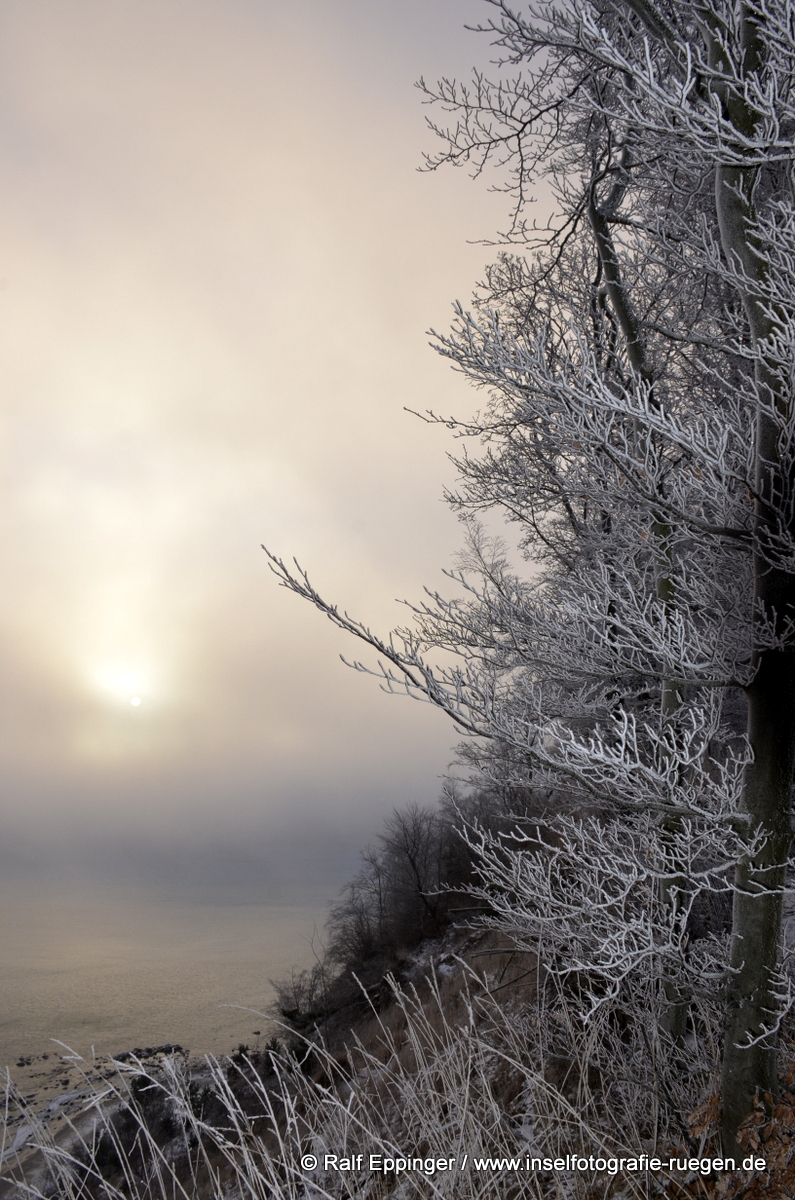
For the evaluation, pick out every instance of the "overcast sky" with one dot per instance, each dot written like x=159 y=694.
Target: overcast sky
x=218 y=264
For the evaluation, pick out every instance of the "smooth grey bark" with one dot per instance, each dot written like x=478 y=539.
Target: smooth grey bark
x=750 y=1070
x=750 y=1058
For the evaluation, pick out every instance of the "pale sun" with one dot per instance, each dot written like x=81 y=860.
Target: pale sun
x=125 y=684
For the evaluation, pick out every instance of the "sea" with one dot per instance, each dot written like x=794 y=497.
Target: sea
x=92 y=970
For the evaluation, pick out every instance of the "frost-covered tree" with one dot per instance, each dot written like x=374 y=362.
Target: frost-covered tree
x=638 y=361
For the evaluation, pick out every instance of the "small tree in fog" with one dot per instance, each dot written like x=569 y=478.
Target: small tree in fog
x=639 y=430
x=400 y=893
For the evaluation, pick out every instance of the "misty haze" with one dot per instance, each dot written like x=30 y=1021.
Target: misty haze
x=217 y=265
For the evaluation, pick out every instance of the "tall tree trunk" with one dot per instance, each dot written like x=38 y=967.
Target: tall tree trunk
x=749 y=1060
x=749 y=1070
x=749 y=1065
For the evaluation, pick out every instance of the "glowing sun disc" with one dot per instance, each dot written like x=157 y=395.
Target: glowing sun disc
x=136 y=700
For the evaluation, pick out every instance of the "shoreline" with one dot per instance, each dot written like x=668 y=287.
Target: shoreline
x=49 y=1087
